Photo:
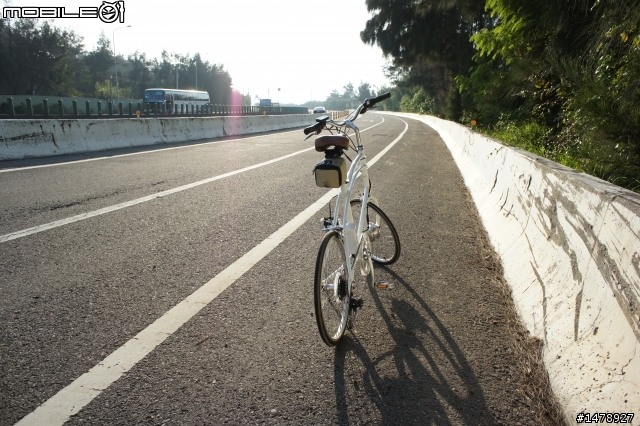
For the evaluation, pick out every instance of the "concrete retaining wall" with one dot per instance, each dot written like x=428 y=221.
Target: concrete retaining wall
x=570 y=247
x=21 y=139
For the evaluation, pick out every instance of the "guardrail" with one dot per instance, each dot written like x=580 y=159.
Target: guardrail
x=338 y=114
x=58 y=110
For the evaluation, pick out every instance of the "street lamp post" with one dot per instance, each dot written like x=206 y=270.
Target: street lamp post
x=115 y=62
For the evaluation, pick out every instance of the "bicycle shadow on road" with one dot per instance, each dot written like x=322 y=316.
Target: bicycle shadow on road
x=423 y=379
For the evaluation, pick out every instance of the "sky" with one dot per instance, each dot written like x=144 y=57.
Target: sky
x=304 y=48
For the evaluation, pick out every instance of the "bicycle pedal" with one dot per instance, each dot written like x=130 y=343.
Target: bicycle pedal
x=383 y=285
x=326 y=221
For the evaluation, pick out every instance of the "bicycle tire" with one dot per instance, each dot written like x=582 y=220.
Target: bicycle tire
x=385 y=243
x=330 y=289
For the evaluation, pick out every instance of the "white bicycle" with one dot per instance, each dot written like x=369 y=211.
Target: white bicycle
x=351 y=243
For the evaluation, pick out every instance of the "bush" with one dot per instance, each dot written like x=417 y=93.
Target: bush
x=420 y=103
x=615 y=164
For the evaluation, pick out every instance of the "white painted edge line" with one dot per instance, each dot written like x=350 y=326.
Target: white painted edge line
x=70 y=400
x=149 y=151
x=391 y=145
x=83 y=216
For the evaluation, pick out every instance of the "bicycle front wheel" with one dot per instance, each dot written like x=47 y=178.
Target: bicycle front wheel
x=331 y=283
x=385 y=243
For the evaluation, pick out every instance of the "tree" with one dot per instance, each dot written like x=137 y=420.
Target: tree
x=348 y=91
x=164 y=71
x=365 y=91
x=344 y=100
x=218 y=83
x=36 y=57
x=334 y=101
x=573 y=70
x=99 y=63
x=426 y=34
x=139 y=75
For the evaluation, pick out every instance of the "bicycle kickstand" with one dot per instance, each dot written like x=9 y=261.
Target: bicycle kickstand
x=354 y=305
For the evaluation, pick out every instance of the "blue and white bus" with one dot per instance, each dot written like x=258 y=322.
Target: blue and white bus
x=173 y=98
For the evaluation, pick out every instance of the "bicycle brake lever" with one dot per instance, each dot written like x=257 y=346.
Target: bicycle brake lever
x=312 y=134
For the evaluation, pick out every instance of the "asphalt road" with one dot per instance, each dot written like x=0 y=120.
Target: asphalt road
x=433 y=350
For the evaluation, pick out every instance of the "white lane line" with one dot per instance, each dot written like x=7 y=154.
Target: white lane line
x=391 y=145
x=83 y=216
x=71 y=399
x=108 y=157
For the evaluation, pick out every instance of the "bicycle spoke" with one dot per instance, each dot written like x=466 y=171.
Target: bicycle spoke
x=332 y=307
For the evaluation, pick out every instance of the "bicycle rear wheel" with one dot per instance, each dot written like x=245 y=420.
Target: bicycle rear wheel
x=331 y=297
x=385 y=243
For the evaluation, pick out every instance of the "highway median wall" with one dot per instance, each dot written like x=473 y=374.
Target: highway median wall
x=570 y=249
x=20 y=139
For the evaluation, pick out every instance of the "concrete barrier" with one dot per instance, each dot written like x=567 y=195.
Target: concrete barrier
x=21 y=139
x=570 y=248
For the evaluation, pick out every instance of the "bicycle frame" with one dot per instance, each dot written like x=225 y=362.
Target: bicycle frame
x=353 y=237
x=346 y=242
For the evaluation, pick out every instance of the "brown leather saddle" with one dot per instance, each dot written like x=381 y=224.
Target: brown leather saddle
x=323 y=143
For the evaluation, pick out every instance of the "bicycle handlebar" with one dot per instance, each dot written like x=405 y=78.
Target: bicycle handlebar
x=369 y=103
x=362 y=108
x=380 y=98
x=316 y=128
